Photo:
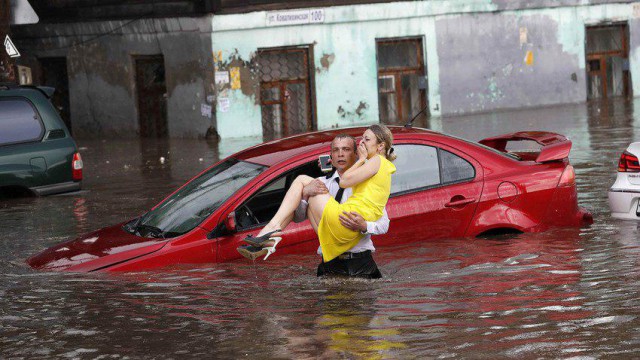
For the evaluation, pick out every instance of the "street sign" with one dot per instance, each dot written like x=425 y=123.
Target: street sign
x=12 y=51
x=295 y=17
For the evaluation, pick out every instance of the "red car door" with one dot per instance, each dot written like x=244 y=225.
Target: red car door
x=298 y=238
x=435 y=192
x=252 y=211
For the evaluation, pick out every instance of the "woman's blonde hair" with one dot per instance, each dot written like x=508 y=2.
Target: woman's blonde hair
x=383 y=135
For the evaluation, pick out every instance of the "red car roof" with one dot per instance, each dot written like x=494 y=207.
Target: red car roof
x=274 y=152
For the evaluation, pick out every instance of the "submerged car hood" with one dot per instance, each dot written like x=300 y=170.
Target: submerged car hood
x=95 y=250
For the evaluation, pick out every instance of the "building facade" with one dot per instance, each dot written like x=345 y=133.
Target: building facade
x=320 y=68
x=124 y=69
x=273 y=69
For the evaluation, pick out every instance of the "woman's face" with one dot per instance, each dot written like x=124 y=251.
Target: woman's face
x=371 y=143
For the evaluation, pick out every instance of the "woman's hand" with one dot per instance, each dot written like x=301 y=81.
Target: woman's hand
x=362 y=151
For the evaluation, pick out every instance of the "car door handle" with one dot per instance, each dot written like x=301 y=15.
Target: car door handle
x=456 y=201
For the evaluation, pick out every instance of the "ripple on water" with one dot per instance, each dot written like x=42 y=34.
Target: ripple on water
x=564 y=293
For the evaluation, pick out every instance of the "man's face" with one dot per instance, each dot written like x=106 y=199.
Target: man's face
x=343 y=155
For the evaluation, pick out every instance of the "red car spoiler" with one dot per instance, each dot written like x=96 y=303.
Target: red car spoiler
x=554 y=146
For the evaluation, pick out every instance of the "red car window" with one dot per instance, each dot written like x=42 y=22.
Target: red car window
x=265 y=202
x=455 y=168
x=417 y=167
x=421 y=166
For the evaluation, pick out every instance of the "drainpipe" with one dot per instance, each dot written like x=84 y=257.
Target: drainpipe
x=7 y=65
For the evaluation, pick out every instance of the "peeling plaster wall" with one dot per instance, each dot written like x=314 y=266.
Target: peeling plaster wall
x=474 y=57
x=541 y=4
x=482 y=61
x=101 y=68
x=344 y=48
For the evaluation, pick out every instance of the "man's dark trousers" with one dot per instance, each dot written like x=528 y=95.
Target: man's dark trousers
x=351 y=264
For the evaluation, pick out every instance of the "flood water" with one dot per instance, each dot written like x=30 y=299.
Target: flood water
x=565 y=293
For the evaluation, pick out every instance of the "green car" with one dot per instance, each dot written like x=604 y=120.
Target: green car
x=38 y=156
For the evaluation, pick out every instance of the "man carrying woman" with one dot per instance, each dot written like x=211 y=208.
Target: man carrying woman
x=358 y=261
x=370 y=178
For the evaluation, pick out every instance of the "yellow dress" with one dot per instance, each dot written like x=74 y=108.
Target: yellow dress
x=369 y=199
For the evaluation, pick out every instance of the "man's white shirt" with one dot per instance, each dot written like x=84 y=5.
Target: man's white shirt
x=378 y=227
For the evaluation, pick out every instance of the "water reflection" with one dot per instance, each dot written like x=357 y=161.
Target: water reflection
x=563 y=293
x=80 y=213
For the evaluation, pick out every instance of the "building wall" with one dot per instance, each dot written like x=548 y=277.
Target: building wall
x=483 y=65
x=344 y=48
x=475 y=56
x=100 y=61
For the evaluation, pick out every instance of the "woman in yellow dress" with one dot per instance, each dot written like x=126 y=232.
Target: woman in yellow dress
x=370 y=178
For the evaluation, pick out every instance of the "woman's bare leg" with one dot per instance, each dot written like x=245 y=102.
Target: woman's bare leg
x=315 y=209
x=313 y=221
x=290 y=203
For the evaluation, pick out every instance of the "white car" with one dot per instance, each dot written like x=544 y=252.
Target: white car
x=625 y=192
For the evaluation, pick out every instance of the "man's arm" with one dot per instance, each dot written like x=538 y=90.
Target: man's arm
x=380 y=226
x=354 y=221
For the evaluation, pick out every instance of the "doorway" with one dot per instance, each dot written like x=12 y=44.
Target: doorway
x=54 y=74
x=152 y=96
x=608 y=61
x=402 y=84
x=286 y=96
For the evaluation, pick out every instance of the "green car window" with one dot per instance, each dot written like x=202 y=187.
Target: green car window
x=19 y=122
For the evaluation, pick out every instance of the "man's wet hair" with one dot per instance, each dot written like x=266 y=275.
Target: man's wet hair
x=346 y=136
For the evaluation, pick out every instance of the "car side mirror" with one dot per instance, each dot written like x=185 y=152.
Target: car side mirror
x=230 y=222
x=227 y=227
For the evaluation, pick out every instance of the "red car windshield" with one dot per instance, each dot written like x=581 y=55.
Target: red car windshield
x=188 y=207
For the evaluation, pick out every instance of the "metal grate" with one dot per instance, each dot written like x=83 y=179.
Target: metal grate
x=285 y=94
x=605 y=39
x=401 y=82
x=282 y=65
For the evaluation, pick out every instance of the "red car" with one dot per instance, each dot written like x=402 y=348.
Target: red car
x=444 y=187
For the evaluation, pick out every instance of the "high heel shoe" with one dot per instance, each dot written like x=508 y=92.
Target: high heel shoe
x=258 y=241
x=254 y=252
x=271 y=249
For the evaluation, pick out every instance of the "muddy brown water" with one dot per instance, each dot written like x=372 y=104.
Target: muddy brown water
x=565 y=293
